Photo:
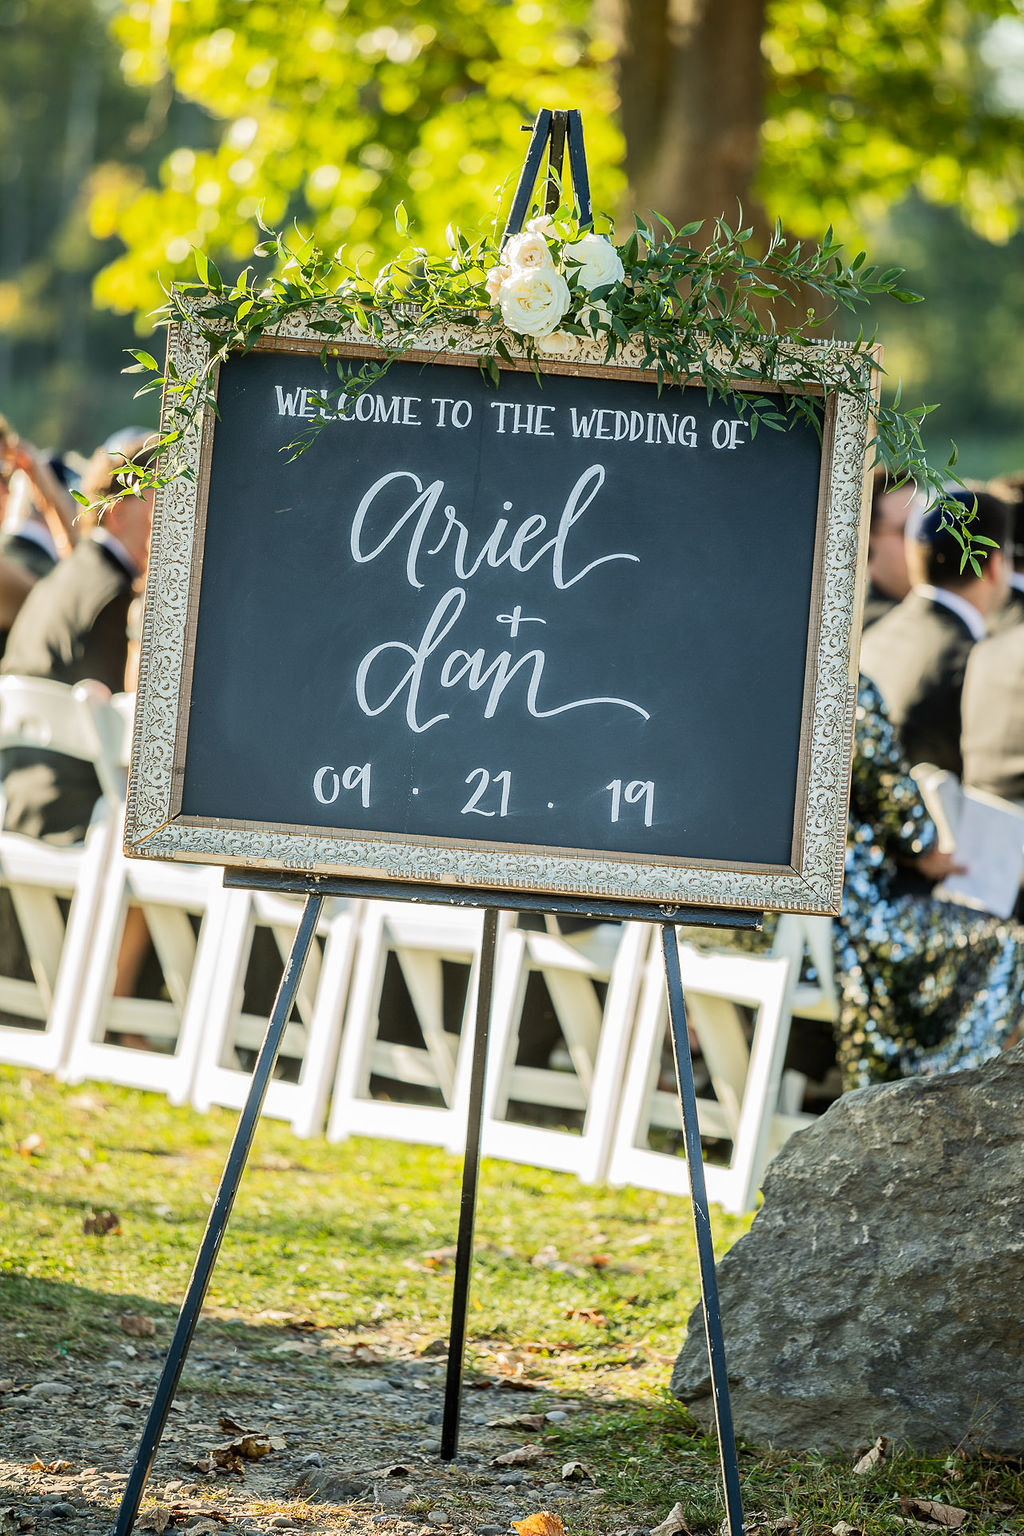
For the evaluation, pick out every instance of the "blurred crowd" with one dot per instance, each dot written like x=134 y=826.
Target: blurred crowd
x=926 y=984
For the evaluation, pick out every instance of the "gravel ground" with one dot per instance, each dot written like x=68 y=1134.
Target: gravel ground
x=311 y=1438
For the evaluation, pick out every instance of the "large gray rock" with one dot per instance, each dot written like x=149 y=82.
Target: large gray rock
x=880 y=1289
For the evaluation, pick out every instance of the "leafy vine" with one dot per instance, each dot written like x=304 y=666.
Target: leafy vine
x=714 y=314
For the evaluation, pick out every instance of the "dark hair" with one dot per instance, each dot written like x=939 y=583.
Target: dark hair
x=941 y=554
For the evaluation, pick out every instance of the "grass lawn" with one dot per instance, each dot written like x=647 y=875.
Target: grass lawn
x=583 y=1290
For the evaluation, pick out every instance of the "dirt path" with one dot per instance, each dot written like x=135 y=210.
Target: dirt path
x=284 y=1439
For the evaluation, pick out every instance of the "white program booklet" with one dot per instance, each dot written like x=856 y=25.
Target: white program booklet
x=987 y=835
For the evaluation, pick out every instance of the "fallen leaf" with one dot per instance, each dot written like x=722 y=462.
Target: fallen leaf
x=439 y=1258
x=522 y=1456
x=39 y=1465
x=543 y=1523
x=575 y=1472
x=137 y=1325
x=100 y=1223
x=844 y=1528
x=673 y=1522
x=399 y=1470
x=873 y=1458
x=510 y=1362
x=587 y=1315
x=30 y=1146
x=519 y=1421
x=232 y=1427
x=362 y=1354
x=249 y=1446
x=932 y=1511
x=182 y=1510
x=761 y=1521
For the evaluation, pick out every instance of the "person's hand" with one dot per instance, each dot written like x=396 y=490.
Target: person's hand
x=936 y=866
x=23 y=457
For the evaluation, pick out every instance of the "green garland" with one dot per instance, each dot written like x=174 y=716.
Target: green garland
x=713 y=313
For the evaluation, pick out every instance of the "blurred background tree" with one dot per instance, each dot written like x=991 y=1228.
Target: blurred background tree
x=133 y=130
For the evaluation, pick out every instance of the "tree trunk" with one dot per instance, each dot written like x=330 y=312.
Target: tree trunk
x=692 y=92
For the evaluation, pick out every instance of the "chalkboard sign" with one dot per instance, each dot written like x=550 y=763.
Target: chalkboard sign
x=567 y=633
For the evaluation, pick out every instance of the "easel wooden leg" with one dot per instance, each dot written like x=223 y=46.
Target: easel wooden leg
x=218 y=1219
x=702 y=1229
x=470 y=1176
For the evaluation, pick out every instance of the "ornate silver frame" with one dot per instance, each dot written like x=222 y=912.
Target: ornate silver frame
x=155 y=828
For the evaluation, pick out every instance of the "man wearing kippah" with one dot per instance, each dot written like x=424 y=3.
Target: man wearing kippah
x=917 y=653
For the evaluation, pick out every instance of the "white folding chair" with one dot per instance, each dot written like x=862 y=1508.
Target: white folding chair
x=797 y=935
x=436 y=951
x=148 y=1042
x=580 y=1083
x=310 y=1041
x=746 y=1079
x=39 y=1013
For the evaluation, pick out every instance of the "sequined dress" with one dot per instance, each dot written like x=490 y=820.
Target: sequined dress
x=926 y=986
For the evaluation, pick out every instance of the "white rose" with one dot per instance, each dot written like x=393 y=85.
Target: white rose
x=595 y=260
x=557 y=344
x=493 y=281
x=527 y=252
x=533 y=302
x=545 y=225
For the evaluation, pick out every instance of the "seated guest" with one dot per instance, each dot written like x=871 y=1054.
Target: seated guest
x=888 y=582
x=993 y=715
x=73 y=626
x=1011 y=489
x=39 y=520
x=926 y=986
x=917 y=653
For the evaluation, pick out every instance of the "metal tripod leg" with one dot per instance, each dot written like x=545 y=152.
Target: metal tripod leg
x=218 y=1219
x=702 y=1229
x=470 y=1174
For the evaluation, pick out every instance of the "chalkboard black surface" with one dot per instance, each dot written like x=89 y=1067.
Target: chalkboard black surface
x=567 y=618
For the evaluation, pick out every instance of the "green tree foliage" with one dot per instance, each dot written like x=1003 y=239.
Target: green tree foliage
x=872 y=98
x=64 y=109
x=961 y=347
x=330 y=111
x=333 y=111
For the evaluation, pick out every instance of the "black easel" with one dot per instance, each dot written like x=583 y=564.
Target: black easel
x=552 y=130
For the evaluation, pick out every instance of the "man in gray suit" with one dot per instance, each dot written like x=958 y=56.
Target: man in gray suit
x=917 y=654
x=993 y=715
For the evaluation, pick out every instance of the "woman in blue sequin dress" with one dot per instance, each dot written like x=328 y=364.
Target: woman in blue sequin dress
x=926 y=986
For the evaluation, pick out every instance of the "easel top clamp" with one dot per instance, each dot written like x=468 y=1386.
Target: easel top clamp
x=552 y=130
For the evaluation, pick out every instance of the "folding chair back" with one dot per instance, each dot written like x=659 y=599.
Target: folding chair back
x=42 y=881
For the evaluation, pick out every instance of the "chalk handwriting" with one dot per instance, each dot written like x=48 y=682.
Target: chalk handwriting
x=499 y=548
x=457 y=667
